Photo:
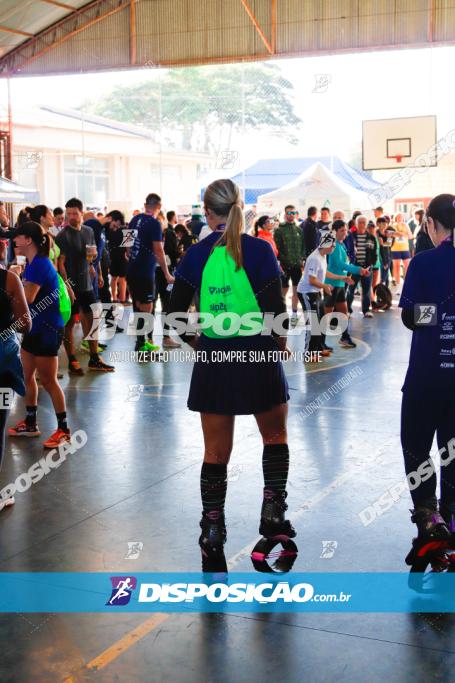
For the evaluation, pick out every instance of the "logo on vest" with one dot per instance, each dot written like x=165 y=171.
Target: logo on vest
x=220 y=290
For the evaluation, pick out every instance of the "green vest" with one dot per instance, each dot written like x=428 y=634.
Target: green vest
x=226 y=291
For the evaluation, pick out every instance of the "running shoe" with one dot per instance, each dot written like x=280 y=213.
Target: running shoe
x=6 y=502
x=22 y=429
x=99 y=365
x=57 y=438
x=169 y=343
x=74 y=368
x=347 y=342
x=328 y=348
x=149 y=346
x=368 y=314
x=85 y=347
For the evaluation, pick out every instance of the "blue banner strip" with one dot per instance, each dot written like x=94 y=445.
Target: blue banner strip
x=237 y=592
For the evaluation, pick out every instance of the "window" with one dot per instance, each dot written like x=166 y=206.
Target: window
x=87 y=178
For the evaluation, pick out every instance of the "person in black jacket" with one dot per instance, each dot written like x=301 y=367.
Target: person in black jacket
x=171 y=251
x=310 y=231
x=366 y=255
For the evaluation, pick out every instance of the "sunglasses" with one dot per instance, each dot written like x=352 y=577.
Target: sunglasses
x=292 y=213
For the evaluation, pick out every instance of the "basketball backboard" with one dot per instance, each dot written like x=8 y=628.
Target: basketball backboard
x=395 y=143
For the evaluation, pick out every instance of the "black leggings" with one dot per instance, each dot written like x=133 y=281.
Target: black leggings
x=161 y=285
x=312 y=301
x=421 y=417
x=3 y=419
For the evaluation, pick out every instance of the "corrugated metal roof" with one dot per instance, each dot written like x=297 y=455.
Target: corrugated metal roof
x=113 y=34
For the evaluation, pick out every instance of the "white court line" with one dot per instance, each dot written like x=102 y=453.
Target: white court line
x=305 y=506
x=364 y=354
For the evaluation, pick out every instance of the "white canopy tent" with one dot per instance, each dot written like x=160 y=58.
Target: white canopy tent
x=16 y=194
x=317 y=186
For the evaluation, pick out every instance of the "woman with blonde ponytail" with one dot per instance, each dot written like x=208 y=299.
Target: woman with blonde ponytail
x=237 y=369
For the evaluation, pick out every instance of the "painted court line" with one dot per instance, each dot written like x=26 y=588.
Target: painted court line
x=132 y=637
x=120 y=646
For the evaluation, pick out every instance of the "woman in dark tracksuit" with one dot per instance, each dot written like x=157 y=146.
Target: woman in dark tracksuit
x=234 y=273
x=428 y=408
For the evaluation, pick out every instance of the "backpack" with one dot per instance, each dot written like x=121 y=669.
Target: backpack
x=383 y=296
x=63 y=300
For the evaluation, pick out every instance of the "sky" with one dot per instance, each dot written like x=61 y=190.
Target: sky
x=332 y=94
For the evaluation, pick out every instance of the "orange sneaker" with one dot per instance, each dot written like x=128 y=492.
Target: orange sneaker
x=57 y=438
x=74 y=368
x=21 y=429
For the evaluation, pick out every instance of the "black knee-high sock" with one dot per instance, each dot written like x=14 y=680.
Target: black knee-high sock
x=275 y=466
x=213 y=488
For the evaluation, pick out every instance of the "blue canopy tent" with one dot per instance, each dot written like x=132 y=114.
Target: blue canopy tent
x=267 y=175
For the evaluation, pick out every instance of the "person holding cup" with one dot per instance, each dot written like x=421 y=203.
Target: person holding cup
x=75 y=265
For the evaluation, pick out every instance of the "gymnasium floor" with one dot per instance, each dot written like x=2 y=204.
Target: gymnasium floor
x=137 y=479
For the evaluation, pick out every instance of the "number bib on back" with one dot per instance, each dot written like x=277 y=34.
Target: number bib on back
x=226 y=291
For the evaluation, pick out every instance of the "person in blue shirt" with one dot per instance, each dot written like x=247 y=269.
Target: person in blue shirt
x=428 y=405
x=146 y=252
x=338 y=264
x=235 y=274
x=40 y=346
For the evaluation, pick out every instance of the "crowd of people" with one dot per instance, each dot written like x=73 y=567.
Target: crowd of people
x=326 y=259
x=56 y=264
x=67 y=260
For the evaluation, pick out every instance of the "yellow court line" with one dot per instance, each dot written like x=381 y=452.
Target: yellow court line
x=132 y=637
x=122 y=645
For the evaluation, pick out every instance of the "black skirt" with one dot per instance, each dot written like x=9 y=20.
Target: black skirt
x=237 y=376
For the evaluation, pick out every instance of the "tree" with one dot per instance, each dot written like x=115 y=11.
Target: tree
x=206 y=104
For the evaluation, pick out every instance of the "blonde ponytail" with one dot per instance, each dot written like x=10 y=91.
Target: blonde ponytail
x=223 y=198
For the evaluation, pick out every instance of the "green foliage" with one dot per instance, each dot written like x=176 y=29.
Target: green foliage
x=206 y=104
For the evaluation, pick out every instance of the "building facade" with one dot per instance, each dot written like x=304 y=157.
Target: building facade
x=64 y=153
